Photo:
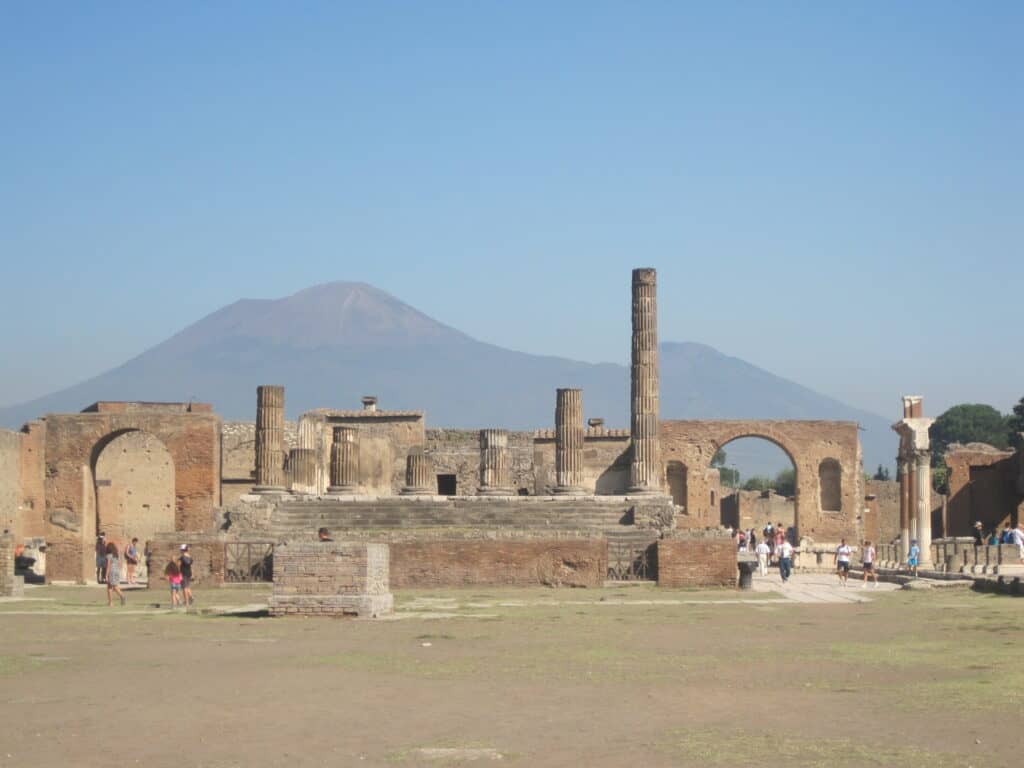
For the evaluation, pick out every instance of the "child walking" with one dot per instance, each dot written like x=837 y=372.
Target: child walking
x=173 y=574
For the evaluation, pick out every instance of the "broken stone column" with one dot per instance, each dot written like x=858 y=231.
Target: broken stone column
x=344 y=460
x=495 y=463
x=569 y=441
x=269 y=439
x=419 y=474
x=302 y=462
x=645 y=466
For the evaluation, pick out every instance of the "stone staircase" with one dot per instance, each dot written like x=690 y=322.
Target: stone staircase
x=301 y=519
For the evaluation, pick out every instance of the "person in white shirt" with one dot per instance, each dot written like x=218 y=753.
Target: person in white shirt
x=762 y=550
x=867 y=559
x=842 y=561
x=1018 y=539
x=785 y=553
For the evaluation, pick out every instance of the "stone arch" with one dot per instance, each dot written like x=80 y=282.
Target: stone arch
x=741 y=432
x=133 y=475
x=830 y=485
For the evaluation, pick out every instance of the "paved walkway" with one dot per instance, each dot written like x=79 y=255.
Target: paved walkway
x=820 y=588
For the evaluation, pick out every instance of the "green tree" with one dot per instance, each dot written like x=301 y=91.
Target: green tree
x=729 y=477
x=968 y=423
x=1015 y=424
x=882 y=473
x=757 y=483
x=785 y=482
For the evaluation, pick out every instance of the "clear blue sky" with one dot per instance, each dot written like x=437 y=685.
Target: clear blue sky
x=832 y=191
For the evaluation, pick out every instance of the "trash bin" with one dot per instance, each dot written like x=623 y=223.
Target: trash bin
x=746 y=563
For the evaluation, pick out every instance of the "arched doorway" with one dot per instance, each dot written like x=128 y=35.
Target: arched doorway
x=756 y=483
x=133 y=476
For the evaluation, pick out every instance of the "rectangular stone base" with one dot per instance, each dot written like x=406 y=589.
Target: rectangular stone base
x=364 y=606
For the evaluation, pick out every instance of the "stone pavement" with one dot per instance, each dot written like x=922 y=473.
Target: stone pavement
x=820 y=588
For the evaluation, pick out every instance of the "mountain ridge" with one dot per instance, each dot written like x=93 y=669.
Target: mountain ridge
x=331 y=343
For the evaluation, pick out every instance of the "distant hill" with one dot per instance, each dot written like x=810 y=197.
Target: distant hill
x=332 y=343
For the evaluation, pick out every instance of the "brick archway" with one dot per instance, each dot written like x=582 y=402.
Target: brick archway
x=806 y=443
x=74 y=443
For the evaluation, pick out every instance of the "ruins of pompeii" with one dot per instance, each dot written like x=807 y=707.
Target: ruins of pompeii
x=453 y=530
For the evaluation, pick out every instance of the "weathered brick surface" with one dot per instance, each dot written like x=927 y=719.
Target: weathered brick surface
x=10 y=585
x=499 y=562
x=331 y=578
x=982 y=486
x=697 y=559
x=207 y=552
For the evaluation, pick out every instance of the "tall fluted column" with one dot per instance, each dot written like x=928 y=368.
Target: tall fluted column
x=495 y=463
x=269 y=439
x=419 y=474
x=302 y=462
x=924 y=507
x=903 y=474
x=569 y=441
x=344 y=460
x=645 y=468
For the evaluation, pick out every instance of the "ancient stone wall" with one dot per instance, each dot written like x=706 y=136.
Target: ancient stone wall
x=982 y=486
x=753 y=509
x=499 y=562
x=73 y=444
x=385 y=439
x=887 y=498
x=134 y=488
x=208 y=561
x=606 y=461
x=10 y=585
x=457 y=452
x=32 y=481
x=697 y=559
x=331 y=578
x=808 y=444
x=10 y=481
x=238 y=456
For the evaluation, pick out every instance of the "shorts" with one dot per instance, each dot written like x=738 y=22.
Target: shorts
x=844 y=565
x=186 y=582
x=869 y=567
x=175 y=587
x=101 y=560
x=912 y=562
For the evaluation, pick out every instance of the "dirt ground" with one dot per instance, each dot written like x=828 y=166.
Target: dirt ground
x=619 y=676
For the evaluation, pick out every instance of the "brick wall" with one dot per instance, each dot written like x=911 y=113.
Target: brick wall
x=10 y=585
x=499 y=562
x=314 y=578
x=207 y=557
x=703 y=559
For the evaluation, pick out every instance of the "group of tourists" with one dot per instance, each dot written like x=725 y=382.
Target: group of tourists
x=1008 y=535
x=113 y=566
x=844 y=556
x=774 y=546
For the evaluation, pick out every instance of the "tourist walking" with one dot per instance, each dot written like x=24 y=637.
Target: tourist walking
x=131 y=559
x=867 y=561
x=842 y=561
x=113 y=574
x=173 y=574
x=785 y=551
x=1018 y=539
x=979 y=533
x=101 y=558
x=185 y=565
x=913 y=557
x=762 y=550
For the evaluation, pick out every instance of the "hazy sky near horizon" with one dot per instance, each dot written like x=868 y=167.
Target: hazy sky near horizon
x=830 y=191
